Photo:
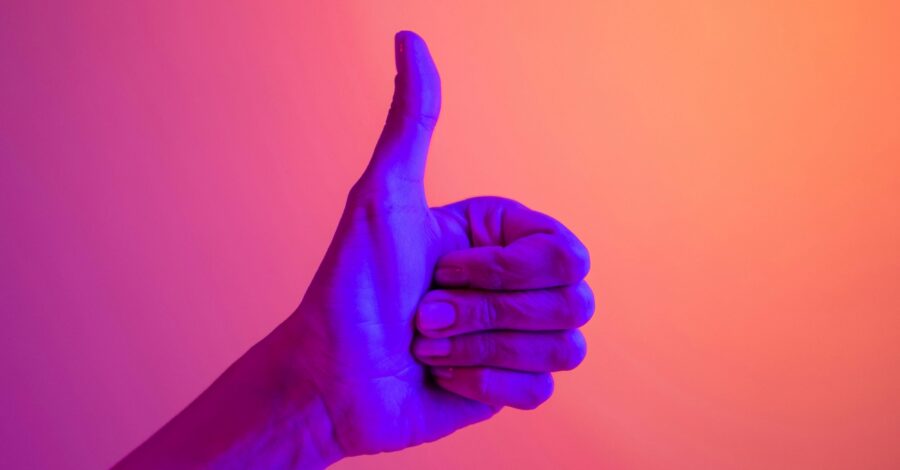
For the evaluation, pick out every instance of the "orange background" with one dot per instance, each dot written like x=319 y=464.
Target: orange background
x=171 y=173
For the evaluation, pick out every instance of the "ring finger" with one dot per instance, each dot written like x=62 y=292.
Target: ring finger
x=523 y=351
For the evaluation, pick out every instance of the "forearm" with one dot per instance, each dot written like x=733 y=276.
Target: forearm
x=253 y=416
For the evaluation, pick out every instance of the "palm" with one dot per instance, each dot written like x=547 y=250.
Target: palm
x=379 y=266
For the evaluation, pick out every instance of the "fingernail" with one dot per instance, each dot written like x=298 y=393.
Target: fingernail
x=451 y=276
x=428 y=347
x=399 y=49
x=436 y=315
x=442 y=372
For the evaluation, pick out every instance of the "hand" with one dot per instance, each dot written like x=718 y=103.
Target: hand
x=355 y=325
x=339 y=377
x=511 y=308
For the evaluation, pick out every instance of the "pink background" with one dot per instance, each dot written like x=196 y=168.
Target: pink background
x=171 y=172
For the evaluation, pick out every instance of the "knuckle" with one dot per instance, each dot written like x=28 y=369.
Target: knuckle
x=579 y=304
x=565 y=261
x=579 y=262
x=367 y=201
x=361 y=201
x=570 y=351
x=581 y=259
x=539 y=392
x=484 y=349
x=572 y=259
x=486 y=318
x=371 y=200
x=403 y=110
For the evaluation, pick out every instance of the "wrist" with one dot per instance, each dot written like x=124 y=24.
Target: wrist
x=300 y=422
x=258 y=414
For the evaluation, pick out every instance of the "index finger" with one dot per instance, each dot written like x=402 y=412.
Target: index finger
x=512 y=248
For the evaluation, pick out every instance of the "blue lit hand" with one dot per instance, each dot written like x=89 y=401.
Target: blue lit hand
x=509 y=320
x=375 y=359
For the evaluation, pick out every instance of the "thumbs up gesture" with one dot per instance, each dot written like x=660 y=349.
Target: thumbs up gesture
x=423 y=320
x=419 y=321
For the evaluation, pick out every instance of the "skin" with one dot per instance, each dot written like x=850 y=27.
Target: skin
x=419 y=321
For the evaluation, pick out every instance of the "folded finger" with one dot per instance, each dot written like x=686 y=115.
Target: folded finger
x=532 y=352
x=498 y=387
x=443 y=313
x=513 y=248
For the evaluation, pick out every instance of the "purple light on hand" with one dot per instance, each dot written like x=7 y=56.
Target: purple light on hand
x=418 y=322
x=498 y=288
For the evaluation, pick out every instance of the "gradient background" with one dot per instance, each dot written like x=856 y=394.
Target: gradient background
x=171 y=173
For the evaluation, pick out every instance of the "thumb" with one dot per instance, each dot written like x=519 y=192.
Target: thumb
x=402 y=149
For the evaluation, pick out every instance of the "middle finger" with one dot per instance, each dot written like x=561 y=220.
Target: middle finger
x=444 y=313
